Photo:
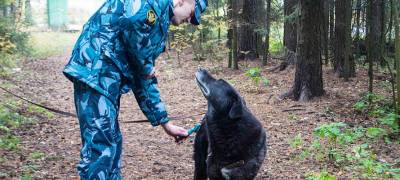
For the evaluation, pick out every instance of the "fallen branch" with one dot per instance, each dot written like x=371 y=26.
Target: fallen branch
x=296 y=109
x=269 y=98
x=296 y=105
x=171 y=118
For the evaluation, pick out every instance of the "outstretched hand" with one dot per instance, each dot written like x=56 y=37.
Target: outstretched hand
x=177 y=132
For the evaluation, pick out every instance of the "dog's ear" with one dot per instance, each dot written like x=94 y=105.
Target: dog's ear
x=236 y=110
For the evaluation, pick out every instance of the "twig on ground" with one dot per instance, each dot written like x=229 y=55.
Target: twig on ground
x=296 y=109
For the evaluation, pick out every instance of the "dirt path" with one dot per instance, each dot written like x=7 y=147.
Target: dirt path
x=148 y=152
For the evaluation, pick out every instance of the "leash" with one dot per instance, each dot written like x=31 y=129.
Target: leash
x=39 y=105
x=64 y=113
x=195 y=129
x=172 y=118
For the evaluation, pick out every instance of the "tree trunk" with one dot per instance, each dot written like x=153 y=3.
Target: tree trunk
x=234 y=48
x=12 y=12
x=235 y=14
x=388 y=32
x=248 y=37
x=219 y=29
x=290 y=32
x=260 y=30
x=358 y=26
x=308 y=78
x=373 y=37
x=343 y=61
x=325 y=32
x=290 y=25
x=230 y=33
x=267 y=29
x=392 y=25
x=28 y=12
x=396 y=24
x=331 y=23
x=382 y=31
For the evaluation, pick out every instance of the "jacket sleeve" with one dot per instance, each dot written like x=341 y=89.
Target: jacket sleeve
x=141 y=51
x=148 y=98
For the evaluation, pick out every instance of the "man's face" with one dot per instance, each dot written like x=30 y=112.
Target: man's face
x=183 y=11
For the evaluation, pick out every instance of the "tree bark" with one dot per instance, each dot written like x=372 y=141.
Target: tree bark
x=219 y=29
x=261 y=27
x=382 y=35
x=373 y=37
x=290 y=25
x=230 y=33
x=396 y=24
x=331 y=23
x=290 y=32
x=325 y=32
x=358 y=26
x=28 y=12
x=248 y=37
x=235 y=20
x=308 y=77
x=343 y=61
x=267 y=29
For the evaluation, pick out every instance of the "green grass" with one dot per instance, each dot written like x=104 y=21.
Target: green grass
x=40 y=45
x=3 y=175
x=8 y=62
x=10 y=119
x=2 y=160
x=37 y=155
x=9 y=142
x=47 y=44
x=39 y=110
x=324 y=175
x=28 y=170
x=352 y=149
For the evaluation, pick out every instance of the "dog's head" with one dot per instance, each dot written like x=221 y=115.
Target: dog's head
x=222 y=98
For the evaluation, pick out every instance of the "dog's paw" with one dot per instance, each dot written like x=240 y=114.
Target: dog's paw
x=226 y=173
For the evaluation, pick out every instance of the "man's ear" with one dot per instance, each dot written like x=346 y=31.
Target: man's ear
x=236 y=110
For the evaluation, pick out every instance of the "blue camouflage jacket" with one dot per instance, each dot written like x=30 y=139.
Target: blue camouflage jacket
x=130 y=35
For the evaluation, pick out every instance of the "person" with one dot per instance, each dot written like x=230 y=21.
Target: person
x=114 y=54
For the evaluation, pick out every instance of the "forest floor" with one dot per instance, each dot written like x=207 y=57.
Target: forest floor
x=148 y=152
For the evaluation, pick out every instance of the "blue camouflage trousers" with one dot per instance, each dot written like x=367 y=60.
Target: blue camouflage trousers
x=97 y=98
x=101 y=136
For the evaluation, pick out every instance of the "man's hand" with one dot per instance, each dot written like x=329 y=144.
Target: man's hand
x=151 y=75
x=175 y=131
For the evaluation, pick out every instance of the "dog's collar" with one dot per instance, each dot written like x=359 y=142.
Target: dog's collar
x=235 y=164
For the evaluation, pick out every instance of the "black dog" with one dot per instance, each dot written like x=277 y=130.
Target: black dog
x=231 y=143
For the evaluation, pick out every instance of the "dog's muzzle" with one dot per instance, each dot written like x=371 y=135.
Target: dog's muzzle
x=201 y=76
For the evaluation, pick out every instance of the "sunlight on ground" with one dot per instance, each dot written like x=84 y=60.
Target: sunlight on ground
x=46 y=44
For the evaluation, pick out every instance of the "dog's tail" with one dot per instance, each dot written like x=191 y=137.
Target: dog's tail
x=200 y=153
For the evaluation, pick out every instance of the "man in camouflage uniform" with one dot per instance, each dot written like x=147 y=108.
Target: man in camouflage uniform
x=116 y=53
